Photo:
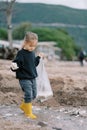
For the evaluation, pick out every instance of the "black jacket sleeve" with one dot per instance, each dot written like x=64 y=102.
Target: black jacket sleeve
x=37 y=60
x=19 y=60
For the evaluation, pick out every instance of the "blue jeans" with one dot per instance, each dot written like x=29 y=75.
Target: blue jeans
x=29 y=88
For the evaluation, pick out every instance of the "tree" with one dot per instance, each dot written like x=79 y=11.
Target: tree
x=62 y=38
x=8 y=6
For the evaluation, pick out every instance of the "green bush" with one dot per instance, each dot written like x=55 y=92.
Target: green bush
x=3 y=34
x=61 y=37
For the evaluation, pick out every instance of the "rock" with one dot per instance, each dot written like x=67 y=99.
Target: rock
x=56 y=128
x=42 y=124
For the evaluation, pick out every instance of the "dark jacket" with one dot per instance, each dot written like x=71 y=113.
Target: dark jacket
x=81 y=55
x=27 y=63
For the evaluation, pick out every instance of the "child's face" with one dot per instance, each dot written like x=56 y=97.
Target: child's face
x=32 y=45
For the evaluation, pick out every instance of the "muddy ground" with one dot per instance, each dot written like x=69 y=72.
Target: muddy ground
x=69 y=84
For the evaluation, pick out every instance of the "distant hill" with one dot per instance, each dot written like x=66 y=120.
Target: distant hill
x=42 y=13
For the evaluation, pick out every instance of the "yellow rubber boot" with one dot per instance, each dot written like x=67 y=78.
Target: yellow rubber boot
x=22 y=107
x=28 y=110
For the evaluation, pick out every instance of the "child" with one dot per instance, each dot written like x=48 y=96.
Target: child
x=26 y=71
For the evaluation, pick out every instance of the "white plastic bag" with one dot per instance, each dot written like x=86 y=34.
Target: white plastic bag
x=43 y=84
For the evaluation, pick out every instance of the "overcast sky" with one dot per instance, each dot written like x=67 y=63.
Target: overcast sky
x=82 y=4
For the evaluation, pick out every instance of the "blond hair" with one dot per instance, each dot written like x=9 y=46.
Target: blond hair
x=29 y=39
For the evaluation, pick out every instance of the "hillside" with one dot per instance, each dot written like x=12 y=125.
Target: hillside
x=65 y=17
x=42 y=13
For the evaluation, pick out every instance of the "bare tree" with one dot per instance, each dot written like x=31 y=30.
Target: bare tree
x=8 y=9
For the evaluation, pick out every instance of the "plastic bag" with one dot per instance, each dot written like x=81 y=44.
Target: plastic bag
x=43 y=84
